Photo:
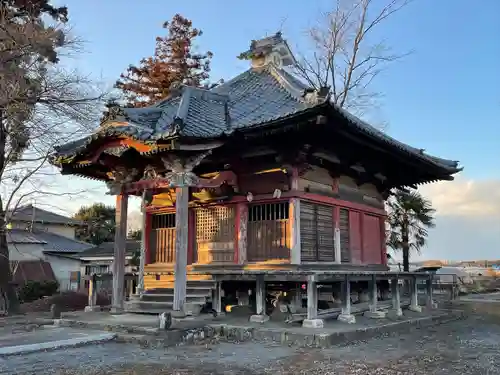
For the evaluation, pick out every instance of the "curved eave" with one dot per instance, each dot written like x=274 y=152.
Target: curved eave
x=68 y=152
x=444 y=166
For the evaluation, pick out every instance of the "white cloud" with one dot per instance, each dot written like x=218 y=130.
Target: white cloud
x=464 y=197
x=467 y=219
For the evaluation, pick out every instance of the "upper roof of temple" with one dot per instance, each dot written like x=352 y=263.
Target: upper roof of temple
x=258 y=97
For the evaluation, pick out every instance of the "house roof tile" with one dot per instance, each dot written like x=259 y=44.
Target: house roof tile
x=50 y=242
x=106 y=250
x=29 y=213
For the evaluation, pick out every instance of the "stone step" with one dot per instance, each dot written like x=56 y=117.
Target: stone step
x=157 y=305
x=151 y=274
x=169 y=297
x=189 y=290
x=191 y=284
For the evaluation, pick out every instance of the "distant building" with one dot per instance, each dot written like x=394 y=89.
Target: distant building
x=35 y=237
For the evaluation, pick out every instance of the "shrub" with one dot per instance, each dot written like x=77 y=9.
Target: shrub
x=66 y=301
x=33 y=290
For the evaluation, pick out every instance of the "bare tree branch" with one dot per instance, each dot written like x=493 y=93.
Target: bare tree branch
x=344 y=56
x=41 y=105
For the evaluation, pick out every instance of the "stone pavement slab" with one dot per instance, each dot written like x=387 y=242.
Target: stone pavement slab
x=49 y=338
x=462 y=347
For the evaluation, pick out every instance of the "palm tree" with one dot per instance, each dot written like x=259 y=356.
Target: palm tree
x=410 y=217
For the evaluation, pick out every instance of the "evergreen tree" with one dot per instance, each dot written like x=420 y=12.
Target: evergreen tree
x=174 y=62
x=99 y=223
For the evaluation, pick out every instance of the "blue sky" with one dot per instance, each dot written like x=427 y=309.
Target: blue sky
x=444 y=97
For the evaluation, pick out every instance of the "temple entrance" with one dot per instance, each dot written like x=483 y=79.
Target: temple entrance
x=162 y=240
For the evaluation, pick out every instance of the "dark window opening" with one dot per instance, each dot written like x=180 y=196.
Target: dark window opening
x=163 y=221
x=268 y=211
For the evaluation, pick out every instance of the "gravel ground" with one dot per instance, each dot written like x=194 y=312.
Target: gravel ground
x=463 y=347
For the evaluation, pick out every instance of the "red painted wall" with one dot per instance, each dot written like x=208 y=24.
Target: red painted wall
x=264 y=183
x=355 y=237
x=372 y=242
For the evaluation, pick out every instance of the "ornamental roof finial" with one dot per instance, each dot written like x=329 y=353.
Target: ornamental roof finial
x=272 y=49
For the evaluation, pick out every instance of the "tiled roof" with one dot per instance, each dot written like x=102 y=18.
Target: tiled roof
x=106 y=249
x=256 y=97
x=29 y=213
x=31 y=270
x=50 y=242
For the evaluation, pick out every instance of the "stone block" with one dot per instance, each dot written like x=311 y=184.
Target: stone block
x=178 y=314
x=363 y=297
x=354 y=297
x=116 y=310
x=165 y=320
x=259 y=318
x=347 y=318
x=92 y=308
x=55 y=311
x=416 y=308
x=375 y=314
x=395 y=313
x=313 y=323
x=281 y=313
x=192 y=309
x=432 y=305
x=240 y=310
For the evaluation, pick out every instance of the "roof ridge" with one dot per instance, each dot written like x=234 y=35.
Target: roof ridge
x=288 y=82
x=36 y=231
x=222 y=86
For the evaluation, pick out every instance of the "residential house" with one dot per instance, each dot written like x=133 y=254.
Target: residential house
x=36 y=237
x=99 y=260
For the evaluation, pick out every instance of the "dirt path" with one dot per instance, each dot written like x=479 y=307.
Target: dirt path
x=464 y=347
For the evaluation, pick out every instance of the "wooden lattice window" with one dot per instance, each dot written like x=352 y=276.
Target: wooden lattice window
x=215 y=234
x=215 y=224
x=268 y=233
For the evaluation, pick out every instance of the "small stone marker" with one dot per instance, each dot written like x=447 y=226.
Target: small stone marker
x=55 y=311
x=165 y=320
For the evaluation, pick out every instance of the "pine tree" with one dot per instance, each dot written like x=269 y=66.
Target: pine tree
x=174 y=62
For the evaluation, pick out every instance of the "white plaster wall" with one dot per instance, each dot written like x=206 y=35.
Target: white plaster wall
x=25 y=252
x=63 y=267
x=61 y=230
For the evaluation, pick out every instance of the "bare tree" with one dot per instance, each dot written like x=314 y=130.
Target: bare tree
x=41 y=105
x=345 y=56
